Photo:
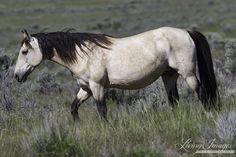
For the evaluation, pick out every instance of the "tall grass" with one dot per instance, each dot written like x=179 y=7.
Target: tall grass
x=152 y=133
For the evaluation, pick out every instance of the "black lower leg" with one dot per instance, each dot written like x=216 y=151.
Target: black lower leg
x=173 y=97
x=74 y=109
x=102 y=109
x=203 y=97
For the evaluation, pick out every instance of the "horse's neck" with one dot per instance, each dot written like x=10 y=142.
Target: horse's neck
x=58 y=60
x=72 y=67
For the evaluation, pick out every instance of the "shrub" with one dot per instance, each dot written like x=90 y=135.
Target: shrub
x=46 y=83
x=54 y=137
x=226 y=126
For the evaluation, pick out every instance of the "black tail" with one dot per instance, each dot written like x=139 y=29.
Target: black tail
x=208 y=92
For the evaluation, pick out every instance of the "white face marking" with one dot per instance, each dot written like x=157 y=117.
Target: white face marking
x=29 y=57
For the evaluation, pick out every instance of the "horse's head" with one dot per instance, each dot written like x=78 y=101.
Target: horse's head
x=29 y=57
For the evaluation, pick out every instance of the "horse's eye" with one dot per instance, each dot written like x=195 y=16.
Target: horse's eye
x=25 y=52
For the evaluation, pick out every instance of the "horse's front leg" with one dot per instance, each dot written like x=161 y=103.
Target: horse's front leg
x=80 y=98
x=98 y=94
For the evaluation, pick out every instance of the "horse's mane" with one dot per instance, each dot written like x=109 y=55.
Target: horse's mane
x=65 y=43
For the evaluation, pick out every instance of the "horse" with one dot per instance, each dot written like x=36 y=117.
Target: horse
x=100 y=61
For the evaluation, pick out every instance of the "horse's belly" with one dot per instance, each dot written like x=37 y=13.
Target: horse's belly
x=132 y=84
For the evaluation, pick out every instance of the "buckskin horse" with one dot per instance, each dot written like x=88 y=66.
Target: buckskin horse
x=99 y=61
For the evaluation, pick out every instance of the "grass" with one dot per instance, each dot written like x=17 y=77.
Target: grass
x=153 y=132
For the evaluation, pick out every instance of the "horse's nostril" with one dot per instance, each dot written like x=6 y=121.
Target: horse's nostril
x=16 y=76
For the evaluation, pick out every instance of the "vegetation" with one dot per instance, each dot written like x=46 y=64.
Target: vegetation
x=153 y=132
x=35 y=116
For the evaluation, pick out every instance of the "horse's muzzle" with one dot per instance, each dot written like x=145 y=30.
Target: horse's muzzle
x=22 y=77
x=17 y=77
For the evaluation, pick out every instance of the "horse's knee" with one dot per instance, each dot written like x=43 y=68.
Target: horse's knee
x=80 y=98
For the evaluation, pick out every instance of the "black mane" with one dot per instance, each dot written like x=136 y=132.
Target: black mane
x=65 y=43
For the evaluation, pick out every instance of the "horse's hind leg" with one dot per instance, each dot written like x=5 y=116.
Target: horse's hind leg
x=80 y=98
x=170 y=82
x=194 y=84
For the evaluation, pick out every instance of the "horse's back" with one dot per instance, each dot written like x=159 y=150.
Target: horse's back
x=137 y=61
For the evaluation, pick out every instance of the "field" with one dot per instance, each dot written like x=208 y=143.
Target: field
x=35 y=116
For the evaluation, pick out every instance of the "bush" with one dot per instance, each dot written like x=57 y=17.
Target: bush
x=46 y=83
x=226 y=126
x=54 y=137
x=5 y=62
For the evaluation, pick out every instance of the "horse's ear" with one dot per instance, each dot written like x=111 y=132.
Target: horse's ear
x=26 y=35
x=27 y=38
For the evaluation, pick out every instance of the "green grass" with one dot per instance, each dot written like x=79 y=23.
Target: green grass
x=142 y=134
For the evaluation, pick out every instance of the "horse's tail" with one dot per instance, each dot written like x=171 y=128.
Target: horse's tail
x=208 y=86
